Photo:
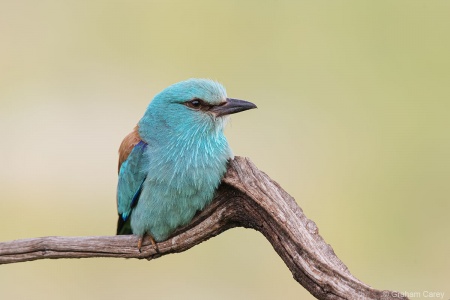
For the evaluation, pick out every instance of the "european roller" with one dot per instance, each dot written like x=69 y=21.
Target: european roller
x=171 y=164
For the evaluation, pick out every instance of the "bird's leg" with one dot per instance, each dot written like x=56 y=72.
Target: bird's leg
x=139 y=245
x=152 y=240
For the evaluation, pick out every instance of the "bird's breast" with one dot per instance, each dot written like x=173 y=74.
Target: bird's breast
x=190 y=165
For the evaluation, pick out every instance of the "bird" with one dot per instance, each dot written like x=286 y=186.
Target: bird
x=173 y=161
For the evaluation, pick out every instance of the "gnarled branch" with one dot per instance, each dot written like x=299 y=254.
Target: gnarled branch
x=247 y=197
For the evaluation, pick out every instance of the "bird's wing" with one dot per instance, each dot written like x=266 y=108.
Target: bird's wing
x=132 y=174
x=127 y=145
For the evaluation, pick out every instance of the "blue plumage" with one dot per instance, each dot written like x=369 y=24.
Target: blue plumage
x=173 y=162
x=132 y=175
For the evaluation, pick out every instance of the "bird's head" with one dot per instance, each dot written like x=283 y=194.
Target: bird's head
x=190 y=105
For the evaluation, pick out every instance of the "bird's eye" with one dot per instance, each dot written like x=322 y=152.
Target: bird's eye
x=195 y=103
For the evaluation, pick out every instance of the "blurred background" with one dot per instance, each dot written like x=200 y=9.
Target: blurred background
x=353 y=120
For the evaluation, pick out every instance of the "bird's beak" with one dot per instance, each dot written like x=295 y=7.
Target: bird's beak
x=231 y=106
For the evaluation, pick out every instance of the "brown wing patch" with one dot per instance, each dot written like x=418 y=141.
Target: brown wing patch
x=128 y=144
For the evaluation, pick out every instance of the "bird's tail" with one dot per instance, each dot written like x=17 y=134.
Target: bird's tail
x=123 y=227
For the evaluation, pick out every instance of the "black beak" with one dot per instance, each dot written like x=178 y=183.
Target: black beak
x=232 y=106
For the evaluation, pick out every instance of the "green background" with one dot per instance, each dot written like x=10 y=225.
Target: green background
x=353 y=120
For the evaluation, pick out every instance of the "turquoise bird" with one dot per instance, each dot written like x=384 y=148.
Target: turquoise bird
x=171 y=164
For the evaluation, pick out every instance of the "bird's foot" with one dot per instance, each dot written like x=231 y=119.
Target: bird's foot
x=139 y=245
x=152 y=240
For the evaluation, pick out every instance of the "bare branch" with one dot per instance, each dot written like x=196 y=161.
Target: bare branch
x=246 y=198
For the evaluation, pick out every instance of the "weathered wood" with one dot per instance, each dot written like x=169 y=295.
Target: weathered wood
x=247 y=198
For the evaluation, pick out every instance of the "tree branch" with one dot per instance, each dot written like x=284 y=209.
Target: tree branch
x=248 y=198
